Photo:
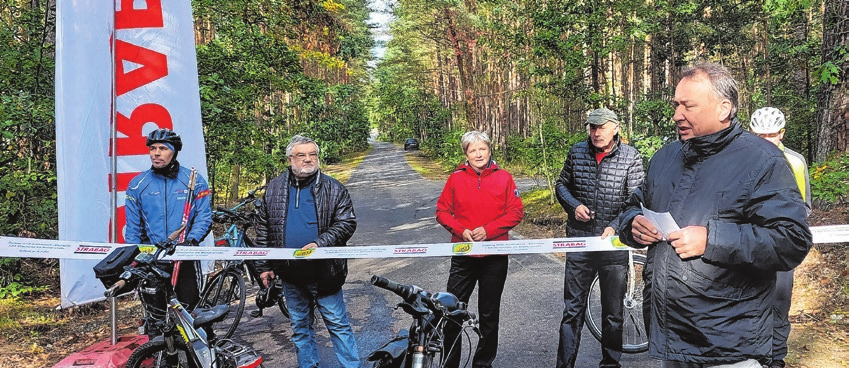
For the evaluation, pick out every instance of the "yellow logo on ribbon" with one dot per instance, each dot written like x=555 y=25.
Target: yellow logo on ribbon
x=462 y=248
x=303 y=253
x=618 y=244
x=149 y=249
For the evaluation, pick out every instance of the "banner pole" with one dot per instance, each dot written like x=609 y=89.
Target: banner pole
x=113 y=184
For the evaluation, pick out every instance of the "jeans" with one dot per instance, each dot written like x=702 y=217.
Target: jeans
x=581 y=268
x=302 y=302
x=489 y=273
x=750 y=363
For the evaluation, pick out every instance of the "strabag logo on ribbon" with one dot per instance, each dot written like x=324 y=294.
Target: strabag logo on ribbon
x=252 y=253
x=569 y=244
x=303 y=253
x=87 y=249
x=462 y=248
x=410 y=250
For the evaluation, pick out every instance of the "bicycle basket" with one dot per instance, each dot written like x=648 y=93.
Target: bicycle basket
x=235 y=355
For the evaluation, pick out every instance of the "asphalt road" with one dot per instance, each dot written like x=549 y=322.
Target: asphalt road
x=395 y=205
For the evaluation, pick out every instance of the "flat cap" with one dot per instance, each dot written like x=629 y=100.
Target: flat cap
x=601 y=116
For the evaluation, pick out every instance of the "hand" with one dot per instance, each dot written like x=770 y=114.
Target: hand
x=266 y=277
x=689 y=242
x=608 y=231
x=643 y=232
x=312 y=245
x=583 y=214
x=468 y=236
x=479 y=234
x=188 y=243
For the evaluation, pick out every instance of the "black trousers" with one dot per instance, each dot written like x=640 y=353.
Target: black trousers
x=489 y=273
x=780 y=313
x=188 y=282
x=581 y=268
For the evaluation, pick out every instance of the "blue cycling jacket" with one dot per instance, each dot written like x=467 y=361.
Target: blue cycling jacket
x=155 y=205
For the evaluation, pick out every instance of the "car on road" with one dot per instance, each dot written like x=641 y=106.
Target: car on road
x=411 y=144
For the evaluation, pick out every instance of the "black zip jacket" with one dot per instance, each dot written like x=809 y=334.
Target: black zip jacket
x=602 y=187
x=336 y=224
x=716 y=308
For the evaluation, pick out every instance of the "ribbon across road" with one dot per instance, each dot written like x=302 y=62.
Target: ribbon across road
x=42 y=248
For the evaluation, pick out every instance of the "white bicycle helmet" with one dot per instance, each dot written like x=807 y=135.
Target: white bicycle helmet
x=767 y=120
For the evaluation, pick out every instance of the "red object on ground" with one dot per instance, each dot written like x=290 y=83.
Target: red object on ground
x=103 y=354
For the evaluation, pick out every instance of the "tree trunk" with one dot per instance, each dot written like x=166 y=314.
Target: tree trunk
x=833 y=99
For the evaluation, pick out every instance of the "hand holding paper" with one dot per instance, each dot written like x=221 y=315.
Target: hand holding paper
x=663 y=222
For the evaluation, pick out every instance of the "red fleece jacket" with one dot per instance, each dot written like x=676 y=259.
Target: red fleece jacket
x=469 y=201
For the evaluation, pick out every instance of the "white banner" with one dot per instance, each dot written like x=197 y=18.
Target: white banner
x=149 y=47
x=41 y=248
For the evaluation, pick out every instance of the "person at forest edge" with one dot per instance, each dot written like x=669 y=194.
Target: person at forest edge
x=306 y=209
x=597 y=178
x=155 y=204
x=768 y=123
x=709 y=286
x=480 y=202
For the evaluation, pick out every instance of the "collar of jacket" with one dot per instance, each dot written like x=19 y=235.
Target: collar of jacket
x=490 y=168
x=612 y=152
x=314 y=178
x=170 y=171
x=707 y=145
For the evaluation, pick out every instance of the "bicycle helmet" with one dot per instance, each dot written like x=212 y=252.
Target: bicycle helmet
x=767 y=120
x=165 y=136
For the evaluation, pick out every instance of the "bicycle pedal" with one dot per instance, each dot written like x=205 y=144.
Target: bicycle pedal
x=256 y=313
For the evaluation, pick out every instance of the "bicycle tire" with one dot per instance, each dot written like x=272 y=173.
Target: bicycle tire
x=634 y=336
x=226 y=288
x=154 y=353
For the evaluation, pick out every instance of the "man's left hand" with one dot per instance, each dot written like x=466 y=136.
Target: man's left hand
x=689 y=242
x=312 y=245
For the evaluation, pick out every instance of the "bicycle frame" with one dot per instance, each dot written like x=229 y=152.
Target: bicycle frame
x=195 y=339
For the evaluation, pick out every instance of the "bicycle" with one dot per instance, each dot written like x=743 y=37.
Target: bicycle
x=228 y=284
x=634 y=335
x=184 y=340
x=419 y=347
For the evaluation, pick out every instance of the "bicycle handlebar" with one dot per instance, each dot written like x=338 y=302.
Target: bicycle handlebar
x=406 y=292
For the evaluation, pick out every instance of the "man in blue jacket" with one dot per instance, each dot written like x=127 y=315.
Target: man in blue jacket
x=155 y=206
x=710 y=285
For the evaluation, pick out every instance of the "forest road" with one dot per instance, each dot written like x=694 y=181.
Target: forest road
x=395 y=205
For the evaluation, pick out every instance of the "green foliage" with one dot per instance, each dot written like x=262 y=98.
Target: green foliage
x=28 y=154
x=18 y=288
x=830 y=179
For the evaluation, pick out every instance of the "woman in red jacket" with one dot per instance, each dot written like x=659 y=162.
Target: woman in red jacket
x=480 y=202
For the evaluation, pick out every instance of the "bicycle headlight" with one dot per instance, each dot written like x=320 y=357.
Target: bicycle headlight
x=445 y=300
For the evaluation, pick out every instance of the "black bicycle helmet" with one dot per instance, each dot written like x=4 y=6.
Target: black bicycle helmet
x=165 y=136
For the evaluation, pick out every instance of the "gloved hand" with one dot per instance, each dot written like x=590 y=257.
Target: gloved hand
x=188 y=243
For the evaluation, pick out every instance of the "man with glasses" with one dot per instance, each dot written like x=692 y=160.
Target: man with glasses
x=768 y=123
x=305 y=209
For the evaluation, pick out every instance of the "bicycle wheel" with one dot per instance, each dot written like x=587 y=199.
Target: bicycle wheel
x=225 y=288
x=154 y=354
x=634 y=337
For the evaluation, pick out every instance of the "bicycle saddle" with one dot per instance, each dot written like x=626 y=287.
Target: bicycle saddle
x=205 y=316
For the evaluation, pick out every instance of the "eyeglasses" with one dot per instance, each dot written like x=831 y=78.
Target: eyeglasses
x=303 y=156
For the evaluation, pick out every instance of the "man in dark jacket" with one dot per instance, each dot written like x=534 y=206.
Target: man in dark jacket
x=709 y=286
x=304 y=209
x=597 y=178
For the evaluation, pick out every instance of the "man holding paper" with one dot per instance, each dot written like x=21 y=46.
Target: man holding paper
x=709 y=286
x=597 y=178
